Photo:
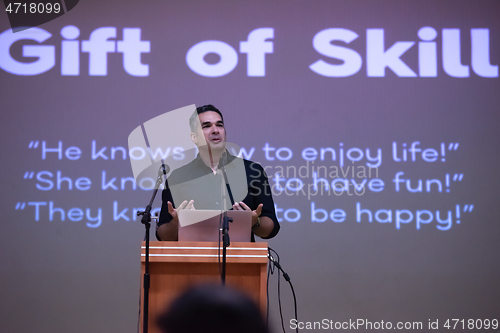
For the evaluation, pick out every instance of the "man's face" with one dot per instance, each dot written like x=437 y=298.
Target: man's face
x=212 y=129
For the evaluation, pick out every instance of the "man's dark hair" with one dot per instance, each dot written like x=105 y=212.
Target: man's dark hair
x=212 y=309
x=199 y=110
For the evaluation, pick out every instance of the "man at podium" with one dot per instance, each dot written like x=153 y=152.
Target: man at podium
x=200 y=183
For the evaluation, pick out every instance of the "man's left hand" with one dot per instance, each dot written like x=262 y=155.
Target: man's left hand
x=255 y=213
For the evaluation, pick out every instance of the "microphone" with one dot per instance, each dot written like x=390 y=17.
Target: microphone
x=223 y=159
x=164 y=169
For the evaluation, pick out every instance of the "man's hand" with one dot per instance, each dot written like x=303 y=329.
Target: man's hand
x=266 y=224
x=184 y=205
x=168 y=231
x=255 y=213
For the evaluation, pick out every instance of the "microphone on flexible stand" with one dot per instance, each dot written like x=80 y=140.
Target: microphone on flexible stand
x=146 y=219
x=223 y=160
x=163 y=170
x=226 y=219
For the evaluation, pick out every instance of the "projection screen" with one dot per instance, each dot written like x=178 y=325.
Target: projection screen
x=377 y=123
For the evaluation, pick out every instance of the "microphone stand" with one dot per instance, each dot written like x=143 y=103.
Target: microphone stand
x=146 y=220
x=225 y=222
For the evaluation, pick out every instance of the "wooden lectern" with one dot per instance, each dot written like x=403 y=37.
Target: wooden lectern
x=175 y=266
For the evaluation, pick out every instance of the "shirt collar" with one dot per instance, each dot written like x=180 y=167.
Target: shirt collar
x=202 y=164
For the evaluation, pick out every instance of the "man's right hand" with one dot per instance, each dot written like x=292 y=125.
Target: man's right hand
x=184 y=205
x=168 y=231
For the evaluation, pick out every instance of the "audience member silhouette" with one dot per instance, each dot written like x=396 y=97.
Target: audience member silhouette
x=212 y=309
